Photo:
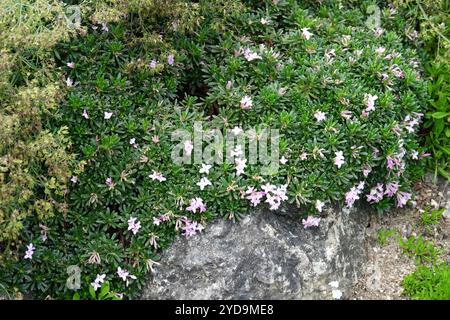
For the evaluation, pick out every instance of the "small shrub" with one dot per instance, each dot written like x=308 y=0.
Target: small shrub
x=432 y=217
x=428 y=283
x=384 y=235
x=420 y=249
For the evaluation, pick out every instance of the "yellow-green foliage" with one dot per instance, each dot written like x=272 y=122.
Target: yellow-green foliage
x=35 y=164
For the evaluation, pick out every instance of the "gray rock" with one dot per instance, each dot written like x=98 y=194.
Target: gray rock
x=264 y=256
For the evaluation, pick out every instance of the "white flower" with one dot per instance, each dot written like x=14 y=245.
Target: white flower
x=246 y=102
x=69 y=82
x=98 y=281
x=320 y=116
x=306 y=34
x=74 y=179
x=205 y=168
x=132 y=141
x=85 y=114
x=133 y=225
x=240 y=166
x=370 y=101
x=157 y=176
x=108 y=115
x=339 y=159
x=265 y=21
x=334 y=284
x=237 y=152
x=337 y=294
x=319 y=205
x=30 y=251
x=203 y=183
x=250 y=55
x=380 y=50
x=124 y=274
x=237 y=131
x=188 y=147
x=283 y=160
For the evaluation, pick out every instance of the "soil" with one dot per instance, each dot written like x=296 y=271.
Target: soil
x=387 y=265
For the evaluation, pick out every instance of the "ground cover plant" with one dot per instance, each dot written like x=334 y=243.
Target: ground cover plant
x=426 y=25
x=346 y=98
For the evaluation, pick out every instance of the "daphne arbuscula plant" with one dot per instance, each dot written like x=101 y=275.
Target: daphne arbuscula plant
x=345 y=99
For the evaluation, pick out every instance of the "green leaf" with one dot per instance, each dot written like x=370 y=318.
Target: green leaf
x=92 y=292
x=440 y=115
x=104 y=290
x=76 y=296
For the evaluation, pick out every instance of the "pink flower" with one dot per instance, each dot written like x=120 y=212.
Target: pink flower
x=389 y=162
x=339 y=159
x=370 y=101
x=275 y=195
x=229 y=85
x=391 y=189
x=353 y=195
x=109 y=182
x=319 y=205
x=196 y=204
x=85 y=114
x=71 y=65
x=376 y=194
x=133 y=225
x=156 y=221
x=105 y=27
x=170 y=59
x=310 y=222
x=370 y=104
x=125 y=275
x=30 y=251
x=246 y=103
x=203 y=183
x=155 y=139
x=304 y=156
x=320 y=116
x=188 y=147
x=254 y=196
x=380 y=50
x=402 y=198
x=153 y=64
x=398 y=73
x=157 y=176
x=190 y=228
x=366 y=170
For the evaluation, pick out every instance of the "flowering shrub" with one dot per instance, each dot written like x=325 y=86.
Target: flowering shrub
x=345 y=99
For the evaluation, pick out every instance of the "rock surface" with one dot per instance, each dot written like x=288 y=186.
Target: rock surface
x=265 y=256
